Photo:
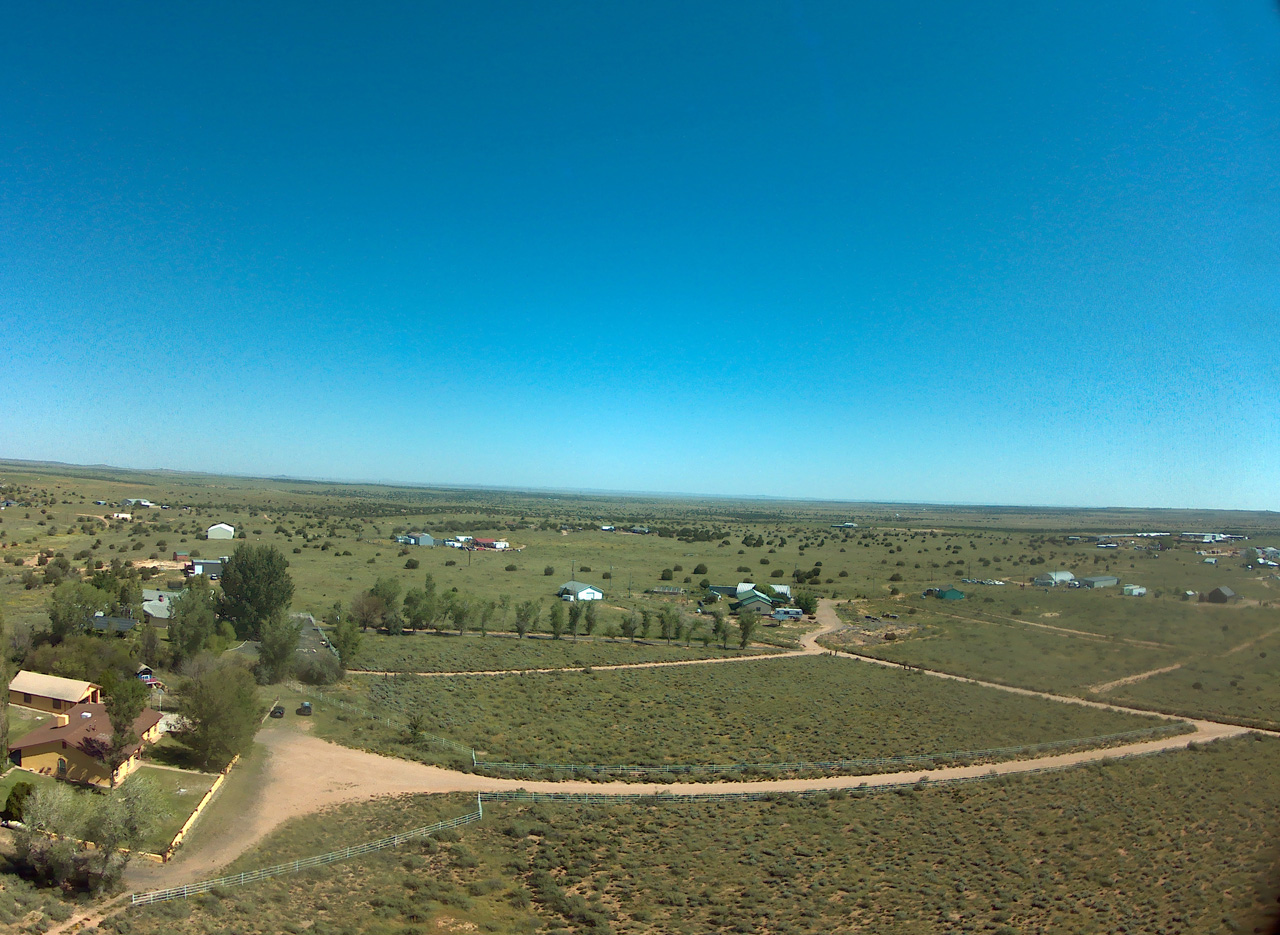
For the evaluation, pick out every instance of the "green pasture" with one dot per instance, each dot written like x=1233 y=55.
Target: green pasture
x=1134 y=846
x=179 y=794
x=763 y=712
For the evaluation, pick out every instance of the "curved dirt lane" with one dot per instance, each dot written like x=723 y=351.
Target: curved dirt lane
x=303 y=774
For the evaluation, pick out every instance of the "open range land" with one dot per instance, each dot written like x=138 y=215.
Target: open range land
x=1181 y=841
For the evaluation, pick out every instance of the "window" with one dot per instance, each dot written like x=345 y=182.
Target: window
x=56 y=704
x=26 y=699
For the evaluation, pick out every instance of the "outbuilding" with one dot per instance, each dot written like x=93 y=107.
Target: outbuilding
x=1100 y=581
x=1134 y=590
x=51 y=692
x=1222 y=595
x=949 y=594
x=1051 y=579
x=578 y=591
x=220 y=531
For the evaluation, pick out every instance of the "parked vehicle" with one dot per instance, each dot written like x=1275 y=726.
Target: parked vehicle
x=305 y=709
x=277 y=711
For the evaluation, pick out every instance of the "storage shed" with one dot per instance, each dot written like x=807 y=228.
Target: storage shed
x=1222 y=595
x=1100 y=581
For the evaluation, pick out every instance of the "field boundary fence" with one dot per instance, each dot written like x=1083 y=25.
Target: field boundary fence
x=293 y=866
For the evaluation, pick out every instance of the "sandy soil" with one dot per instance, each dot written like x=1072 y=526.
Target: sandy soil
x=1132 y=679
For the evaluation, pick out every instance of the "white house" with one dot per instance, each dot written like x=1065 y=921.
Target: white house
x=577 y=591
x=221 y=531
x=122 y=516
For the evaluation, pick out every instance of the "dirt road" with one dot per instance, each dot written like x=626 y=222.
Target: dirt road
x=301 y=774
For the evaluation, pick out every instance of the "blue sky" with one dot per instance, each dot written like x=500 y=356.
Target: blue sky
x=1023 y=254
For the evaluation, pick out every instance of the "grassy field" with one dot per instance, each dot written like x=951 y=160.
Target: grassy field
x=772 y=711
x=1225 y=669
x=23 y=720
x=1135 y=847
x=448 y=652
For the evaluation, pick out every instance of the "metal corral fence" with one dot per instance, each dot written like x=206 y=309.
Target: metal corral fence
x=1146 y=733
x=293 y=866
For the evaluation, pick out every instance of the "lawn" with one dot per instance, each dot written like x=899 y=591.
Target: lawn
x=764 y=712
x=448 y=652
x=1135 y=846
x=15 y=776
x=179 y=794
x=23 y=720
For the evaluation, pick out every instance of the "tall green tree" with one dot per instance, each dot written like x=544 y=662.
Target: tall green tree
x=389 y=590
x=575 y=619
x=630 y=624
x=591 y=618
x=70 y=607
x=556 y=621
x=193 y=621
x=117 y=825
x=462 y=612
x=346 y=639
x=278 y=647
x=527 y=614
x=124 y=698
x=221 y=706
x=720 y=627
x=670 y=625
x=646 y=622
x=419 y=607
x=256 y=588
x=747 y=620
x=807 y=602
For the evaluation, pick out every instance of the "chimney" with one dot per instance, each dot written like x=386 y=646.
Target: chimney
x=61 y=720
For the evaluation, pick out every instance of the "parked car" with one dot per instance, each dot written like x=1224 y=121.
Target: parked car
x=277 y=711
x=305 y=709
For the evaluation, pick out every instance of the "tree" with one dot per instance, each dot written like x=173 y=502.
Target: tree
x=487 y=611
x=119 y=825
x=700 y=569
x=807 y=602
x=556 y=620
x=71 y=605
x=527 y=614
x=419 y=608
x=279 y=644
x=630 y=623
x=221 y=706
x=720 y=627
x=389 y=590
x=670 y=623
x=256 y=588
x=193 y=621
x=590 y=623
x=575 y=619
x=462 y=612
x=367 y=610
x=646 y=621
x=149 y=643
x=549 y=571
x=747 y=620
x=346 y=640
x=124 y=699
x=53 y=826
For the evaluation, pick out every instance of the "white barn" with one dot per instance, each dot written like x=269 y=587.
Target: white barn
x=577 y=591
x=221 y=531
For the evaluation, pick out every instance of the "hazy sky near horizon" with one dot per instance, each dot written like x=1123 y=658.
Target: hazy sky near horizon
x=998 y=253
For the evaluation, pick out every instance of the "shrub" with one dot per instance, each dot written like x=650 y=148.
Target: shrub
x=744 y=568
x=844 y=574
x=320 y=668
x=700 y=569
x=667 y=574
x=511 y=568
x=549 y=571
x=677 y=568
x=584 y=568
x=411 y=563
x=895 y=577
x=446 y=564
x=606 y=575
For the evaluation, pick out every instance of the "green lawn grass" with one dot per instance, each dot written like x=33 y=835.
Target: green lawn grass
x=179 y=794
x=1134 y=846
x=766 y=712
x=448 y=652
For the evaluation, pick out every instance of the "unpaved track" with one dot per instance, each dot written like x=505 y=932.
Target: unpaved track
x=303 y=774
x=808 y=647
x=1133 y=679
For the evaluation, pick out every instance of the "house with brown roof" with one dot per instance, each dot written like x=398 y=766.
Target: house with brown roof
x=74 y=746
x=51 y=693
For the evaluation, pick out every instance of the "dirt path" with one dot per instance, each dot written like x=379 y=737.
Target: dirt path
x=302 y=774
x=1104 y=687
x=808 y=647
